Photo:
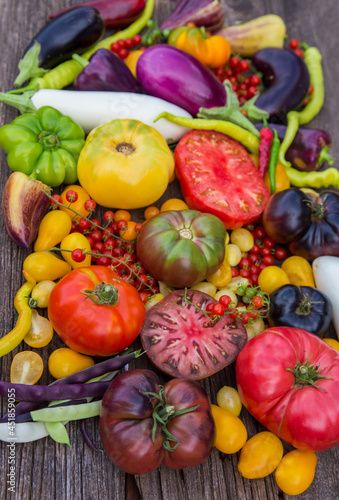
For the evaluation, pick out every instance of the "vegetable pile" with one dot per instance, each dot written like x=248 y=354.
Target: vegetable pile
x=228 y=276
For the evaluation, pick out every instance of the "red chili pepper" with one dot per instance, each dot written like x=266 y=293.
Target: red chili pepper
x=116 y=13
x=266 y=138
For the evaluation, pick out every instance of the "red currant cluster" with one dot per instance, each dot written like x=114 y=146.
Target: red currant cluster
x=108 y=248
x=237 y=71
x=124 y=47
x=263 y=253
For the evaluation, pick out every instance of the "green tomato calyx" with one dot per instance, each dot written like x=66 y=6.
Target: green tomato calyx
x=103 y=294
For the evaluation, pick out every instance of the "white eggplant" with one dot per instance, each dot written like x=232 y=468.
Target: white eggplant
x=93 y=108
x=326 y=277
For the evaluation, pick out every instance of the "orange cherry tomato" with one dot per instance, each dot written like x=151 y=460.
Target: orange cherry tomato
x=26 y=368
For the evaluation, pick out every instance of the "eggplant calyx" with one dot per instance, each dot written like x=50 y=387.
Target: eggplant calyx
x=306 y=374
x=29 y=65
x=305 y=305
x=103 y=294
x=162 y=414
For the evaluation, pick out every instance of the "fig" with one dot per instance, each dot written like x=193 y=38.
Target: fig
x=24 y=204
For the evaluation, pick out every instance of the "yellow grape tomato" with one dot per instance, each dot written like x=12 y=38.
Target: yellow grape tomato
x=205 y=287
x=243 y=238
x=254 y=328
x=41 y=331
x=222 y=276
x=70 y=243
x=64 y=361
x=229 y=293
x=26 y=368
x=332 y=342
x=41 y=292
x=298 y=270
x=260 y=456
x=174 y=204
x=233 y=254
x=228 y=399
x=154 y=299
x=296 y=471
x=231 y=434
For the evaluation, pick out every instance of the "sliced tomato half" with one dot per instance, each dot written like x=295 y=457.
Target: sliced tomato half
x=218 y=176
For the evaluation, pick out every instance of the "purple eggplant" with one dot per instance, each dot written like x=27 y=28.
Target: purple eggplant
x=310 y=148
x=105 y=71
x=287 y=80
x=207 y=13
x=177 y=77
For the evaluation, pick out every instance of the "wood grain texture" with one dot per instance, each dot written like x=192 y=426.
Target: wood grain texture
x=45 y=469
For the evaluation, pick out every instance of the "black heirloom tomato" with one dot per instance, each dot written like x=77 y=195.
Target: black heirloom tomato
x=302 y=307
x=132 y=434
x=182 y=340
x=308 y=224
x=182 y=247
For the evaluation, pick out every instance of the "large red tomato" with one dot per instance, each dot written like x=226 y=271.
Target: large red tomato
x=95 y=312
x=182 y=340
x=143 y=423
x=217 y=175
x=288 y=379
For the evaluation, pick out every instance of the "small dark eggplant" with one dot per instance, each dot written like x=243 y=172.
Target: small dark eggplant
x=287 y=80
x=302 y=307
x=309 y=149
x=74 y=31
x=105 y=71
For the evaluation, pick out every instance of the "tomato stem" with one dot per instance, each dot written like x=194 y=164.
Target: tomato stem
x=307 y=374
x=103 y=294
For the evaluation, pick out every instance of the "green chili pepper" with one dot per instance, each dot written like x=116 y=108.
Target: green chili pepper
x=272 y=164
x=45 y=144
x=246 y=138
x=65 y=73
x=14 y=337
x=312 y=58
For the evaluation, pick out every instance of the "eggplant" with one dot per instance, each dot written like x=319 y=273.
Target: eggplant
x=105 y=71
x=177 y=77
x=309 y=149
x=24 y=203
x=72 y=32
x=207 y=13
x=287 y=80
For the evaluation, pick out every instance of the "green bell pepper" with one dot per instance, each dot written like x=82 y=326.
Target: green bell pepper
x=44 y=145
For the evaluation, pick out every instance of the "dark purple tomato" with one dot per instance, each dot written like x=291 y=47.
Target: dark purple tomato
x=183 y=340
x=134 y=439
x=182 y=247
x=308 y=224
x=303 y=307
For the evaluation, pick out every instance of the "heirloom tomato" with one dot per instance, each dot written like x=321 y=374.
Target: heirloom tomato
x=182 y=247
x=218 y=176
x=288 y=380
x=134 y=436
x=308 y=224
x=125 y=164
x=296 y=471
x=260 y=455
x=95 y=312
x=182 y=340
x=231 y=434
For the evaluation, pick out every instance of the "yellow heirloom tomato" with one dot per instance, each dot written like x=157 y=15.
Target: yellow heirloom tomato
x=125 y=164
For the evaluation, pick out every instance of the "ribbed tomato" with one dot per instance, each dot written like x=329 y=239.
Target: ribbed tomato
x=217 y=176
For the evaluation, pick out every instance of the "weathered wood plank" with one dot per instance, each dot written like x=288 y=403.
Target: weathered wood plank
x=47 y=470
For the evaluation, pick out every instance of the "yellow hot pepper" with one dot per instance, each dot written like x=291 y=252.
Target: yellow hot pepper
x=23 y=324
x=213 y=51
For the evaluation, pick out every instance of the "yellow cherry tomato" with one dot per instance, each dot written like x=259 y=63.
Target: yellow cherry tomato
x=26 y=368
x=205 y=287
x=332 y=342
x=70 y=243
x=129 y=233
x=255 y=328
x=296 y=471
x=260 y=456
x=229 y=293
x=243 y=238
x=154 y=299
x=131 y=61
x=151 y=212
x=233 y=254
x=174 y=204
x=281 y=179
x=228 y=399
x=122 y=215
x=78 y=205
x=231 y=434
x=46 y=266
x=222 y=276
x=54 y=226
x=41 y=331
x=235 y=282
x=64 y=361
x=41 y=293
x=272 y=277
x=299 y=271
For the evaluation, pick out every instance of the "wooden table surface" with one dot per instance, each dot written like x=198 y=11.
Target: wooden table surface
x=45 y=469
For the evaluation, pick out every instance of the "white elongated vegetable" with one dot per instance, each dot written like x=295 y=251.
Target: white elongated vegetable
x=93 y=108
x=326 y=277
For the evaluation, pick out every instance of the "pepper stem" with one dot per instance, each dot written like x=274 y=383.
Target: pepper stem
x=324 y=155
x=80 y=60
